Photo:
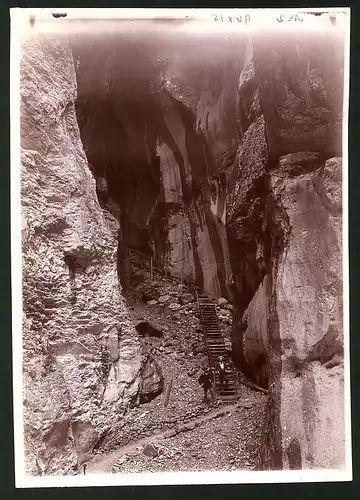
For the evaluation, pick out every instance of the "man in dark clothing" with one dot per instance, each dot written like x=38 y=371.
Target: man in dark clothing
x=206 y=379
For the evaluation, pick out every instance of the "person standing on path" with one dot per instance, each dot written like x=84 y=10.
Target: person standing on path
x=205 y=380
x=222 y=371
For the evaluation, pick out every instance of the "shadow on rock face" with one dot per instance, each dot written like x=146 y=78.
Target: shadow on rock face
x=152 y=380
x=146 y=329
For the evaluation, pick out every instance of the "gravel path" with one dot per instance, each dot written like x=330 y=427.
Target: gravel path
x=187 y=434
x=223 y=439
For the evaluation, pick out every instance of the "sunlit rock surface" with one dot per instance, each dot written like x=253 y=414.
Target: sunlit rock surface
x=81 y=353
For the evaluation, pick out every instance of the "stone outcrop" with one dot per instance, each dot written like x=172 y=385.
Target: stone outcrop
x=81 y=353
x=151 y=380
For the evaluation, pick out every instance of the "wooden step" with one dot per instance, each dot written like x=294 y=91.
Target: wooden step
x=224 y=390
x=228 y=399
x=215 y=347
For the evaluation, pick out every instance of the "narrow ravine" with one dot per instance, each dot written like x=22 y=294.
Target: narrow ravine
x=218 y=162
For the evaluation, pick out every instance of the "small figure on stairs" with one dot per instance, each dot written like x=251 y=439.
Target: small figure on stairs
x=222 y=371
x=206 y=381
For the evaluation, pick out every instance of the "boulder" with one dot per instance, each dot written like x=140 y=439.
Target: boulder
x=85 y=438
x=189 y=426
x=151 y=381
x=163 y=298
x=149 y=450
x=174 y=306
x=186 y=298
x=222 y=302
x=170 y=433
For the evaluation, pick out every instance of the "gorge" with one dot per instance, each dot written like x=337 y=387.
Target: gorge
x=220 y=158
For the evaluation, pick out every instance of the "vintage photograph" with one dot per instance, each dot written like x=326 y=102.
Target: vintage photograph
x=179 y=245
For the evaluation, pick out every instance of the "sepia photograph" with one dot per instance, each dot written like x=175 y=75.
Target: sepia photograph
x=179 y=188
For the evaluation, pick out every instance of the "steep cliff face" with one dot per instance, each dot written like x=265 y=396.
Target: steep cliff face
x=307 y=316
x=271 y=118
x=284 y=233
x=81 y=353
x=147 y=144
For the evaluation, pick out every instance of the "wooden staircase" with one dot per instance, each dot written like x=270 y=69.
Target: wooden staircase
x=215 y=347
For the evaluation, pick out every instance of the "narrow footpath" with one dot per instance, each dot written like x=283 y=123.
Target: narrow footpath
x=204 y=443
x=177 y=430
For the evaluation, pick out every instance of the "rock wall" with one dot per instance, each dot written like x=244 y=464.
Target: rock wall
x=156 y=161
x=307 y=313
x=255 y=340
x=284 y=231
x=234 y=180
x=81 y=355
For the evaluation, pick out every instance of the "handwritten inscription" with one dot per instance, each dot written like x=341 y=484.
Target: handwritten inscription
x=232 y=19
x=246 y=18
x=282 y=18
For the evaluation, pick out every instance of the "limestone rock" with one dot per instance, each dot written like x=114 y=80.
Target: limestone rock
x=174 y=306
x=256 y=335
x=222 y=302
x=152 y=380
x=163 y=298
x=186 y=298
x=150 y=451
x=308 y=305
x=302 y=98
x=239 y=192
x=70 y=283
x=85 y=437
